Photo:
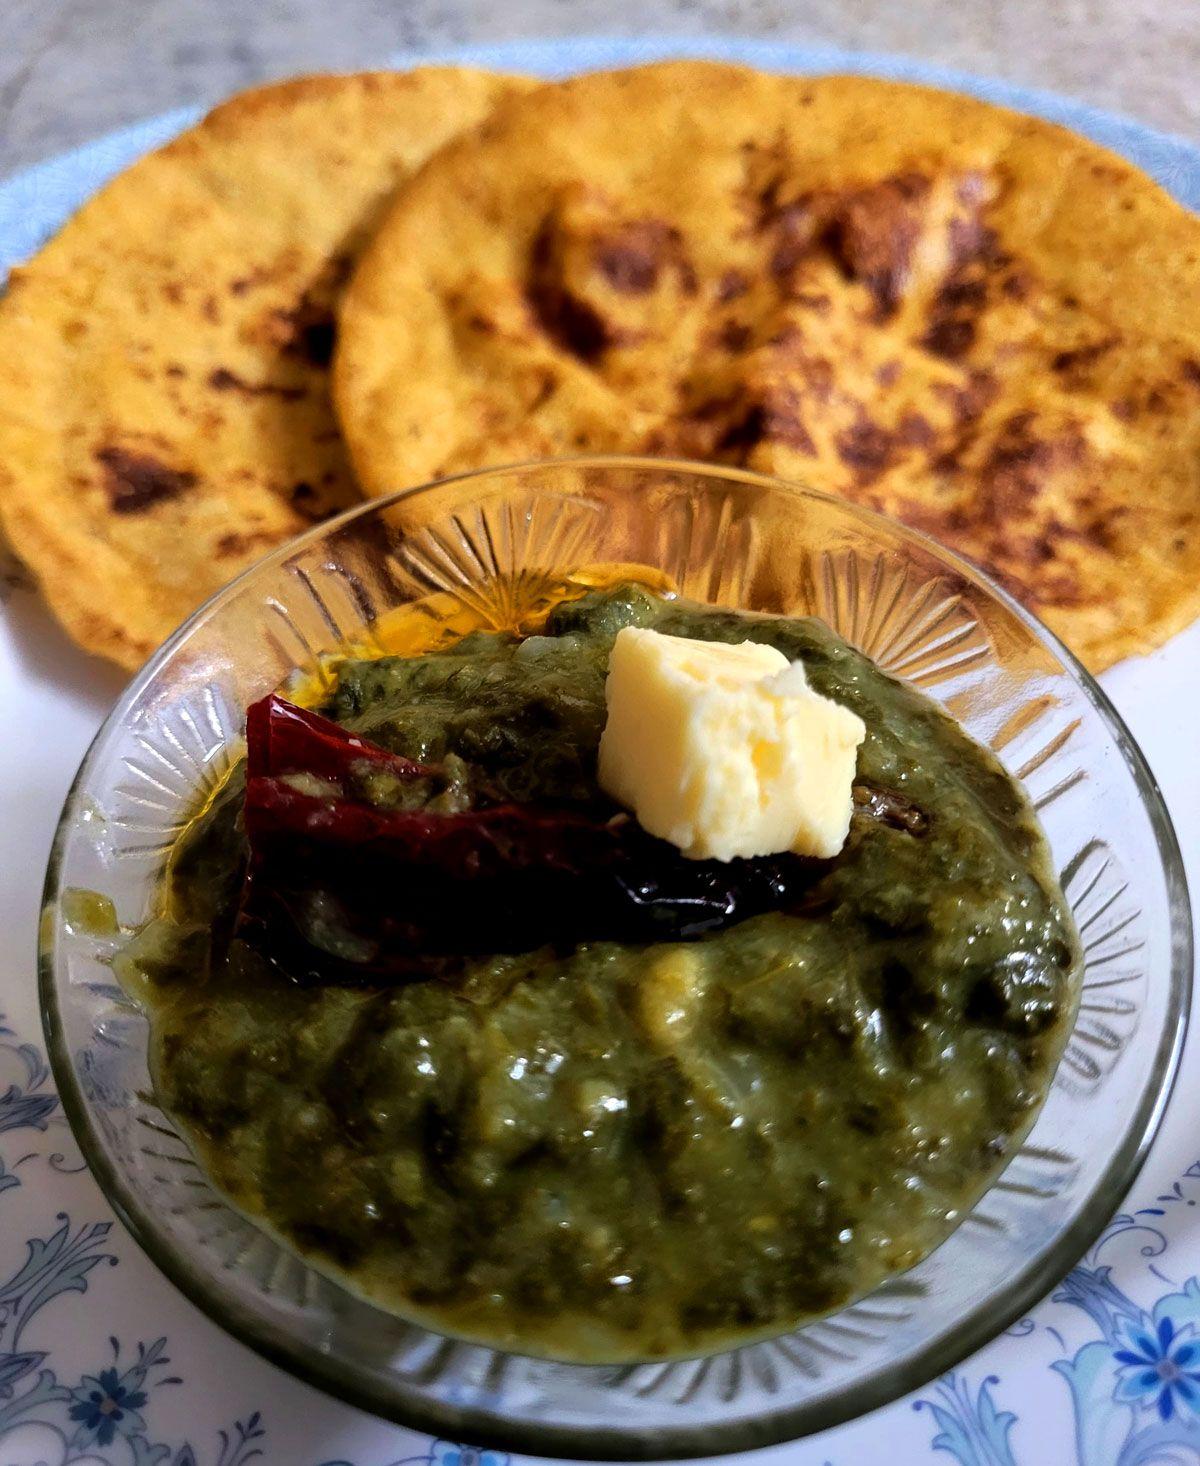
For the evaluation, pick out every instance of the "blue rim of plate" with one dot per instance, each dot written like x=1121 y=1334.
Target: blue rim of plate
x=35 y=202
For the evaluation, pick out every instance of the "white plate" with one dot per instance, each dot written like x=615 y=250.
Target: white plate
x=102 y=1363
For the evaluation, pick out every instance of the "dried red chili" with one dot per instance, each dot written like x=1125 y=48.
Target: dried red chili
x=348 y=889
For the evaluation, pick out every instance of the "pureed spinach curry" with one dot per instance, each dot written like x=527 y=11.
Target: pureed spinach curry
x=529 y=1076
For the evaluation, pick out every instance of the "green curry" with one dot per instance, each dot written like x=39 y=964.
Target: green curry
x=627 y=1150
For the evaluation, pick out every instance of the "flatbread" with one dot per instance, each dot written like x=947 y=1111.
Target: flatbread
x=164 y=407
x=966 y=318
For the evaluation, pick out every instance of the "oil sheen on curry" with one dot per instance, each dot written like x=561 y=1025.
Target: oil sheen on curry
x=447 y=1020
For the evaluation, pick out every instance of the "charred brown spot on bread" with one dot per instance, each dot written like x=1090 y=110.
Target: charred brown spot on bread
x=743 y=434
x=731 y=286
x=308 y=329
x=767 y=169
x=546 y=387
x=135 y=481
x=795 y=232
x=866 y=448
x=915 y=430
x=1061 y=588
x=793 y=360
x=1079 y=357
x=870 y=231
x=951 y=332
x=784 y=421
x=221 y=379
x=1039 y=549
x=1019 y=464
x=712 y=408
x=1189 y=371
x=941 y=520
x=252 y=278
x=694 y=429
x=306 y=499
x=241 y=543
x=1017 y=286
x=634 y=257
x=734 y=336
x=14 y=576
x=874 y=233
x=571 y=322
x=774 y=417
x=971 y=399
x=731 y=425
x=975 y=258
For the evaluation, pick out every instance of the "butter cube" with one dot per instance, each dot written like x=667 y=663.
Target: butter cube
x=726 y=750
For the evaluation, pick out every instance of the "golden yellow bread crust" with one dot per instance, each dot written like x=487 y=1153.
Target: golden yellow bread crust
x=973 y=320
x=164 y=406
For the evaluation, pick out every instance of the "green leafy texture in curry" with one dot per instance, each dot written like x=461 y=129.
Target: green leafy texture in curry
x=632 y=1152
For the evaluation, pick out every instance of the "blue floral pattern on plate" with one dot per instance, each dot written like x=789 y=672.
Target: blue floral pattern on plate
x=45 y=1420
x=1135 y=1389
x=1157 y=1368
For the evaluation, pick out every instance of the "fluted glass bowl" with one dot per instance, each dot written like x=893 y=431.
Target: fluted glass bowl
x=497 y=542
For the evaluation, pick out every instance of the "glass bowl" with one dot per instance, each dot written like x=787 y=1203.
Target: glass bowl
x=497 y=542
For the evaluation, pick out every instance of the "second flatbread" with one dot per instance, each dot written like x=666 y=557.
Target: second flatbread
x=164 y=407
x=970 y=319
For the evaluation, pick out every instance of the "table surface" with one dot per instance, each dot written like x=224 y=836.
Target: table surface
x=70 y=69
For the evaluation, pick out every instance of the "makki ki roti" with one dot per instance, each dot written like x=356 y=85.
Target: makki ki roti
x=970 y=319
x=165 y=414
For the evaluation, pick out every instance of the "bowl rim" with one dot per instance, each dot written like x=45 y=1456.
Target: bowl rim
x=890 y=1381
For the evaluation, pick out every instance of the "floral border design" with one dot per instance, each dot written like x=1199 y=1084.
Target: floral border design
x=1134 y=1384
x=103 y=1418
x=445 y=1453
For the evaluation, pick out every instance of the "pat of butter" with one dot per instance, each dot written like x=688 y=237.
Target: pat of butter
x=726 y=750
